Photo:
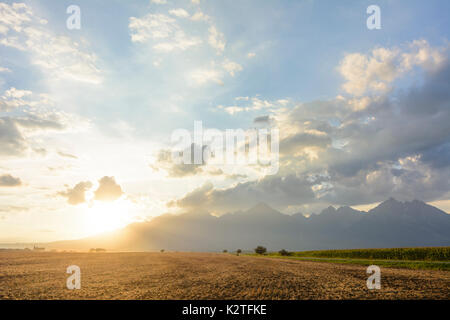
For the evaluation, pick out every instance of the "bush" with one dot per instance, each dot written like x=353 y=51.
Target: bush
x=260 y=250
x=225 y=251
x=162 y=250
x=238 y=251
x=285 y=253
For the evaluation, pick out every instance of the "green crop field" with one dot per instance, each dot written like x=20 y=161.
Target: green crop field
x=437 y=258
x=422 y=254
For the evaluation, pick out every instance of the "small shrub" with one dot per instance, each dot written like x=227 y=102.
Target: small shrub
x=284 y=253
x=238 y=251
x=260 y=250
x=162 y=250
x=225 y=251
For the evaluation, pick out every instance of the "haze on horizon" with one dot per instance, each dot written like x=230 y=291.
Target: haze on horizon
x=86 y=116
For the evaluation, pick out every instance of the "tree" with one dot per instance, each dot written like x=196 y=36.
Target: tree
x=225 y=251
x=238 y=251
x=283 y=252
x=260 y=250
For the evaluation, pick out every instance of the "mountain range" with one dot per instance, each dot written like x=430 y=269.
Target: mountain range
x=391 y=224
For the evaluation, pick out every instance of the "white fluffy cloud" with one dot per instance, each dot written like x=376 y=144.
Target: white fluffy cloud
x=375 y=72
x=180 y=12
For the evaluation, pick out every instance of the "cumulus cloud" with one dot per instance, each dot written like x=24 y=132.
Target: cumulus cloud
x=178 y=170
x=108 y=190
x=77 y=194
x=278 y=191
x=377 y=70
x=358 y=149
x=7 y=180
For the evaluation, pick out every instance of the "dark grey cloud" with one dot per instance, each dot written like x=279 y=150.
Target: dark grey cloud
x=8 y=180
x=274 y=190
x=11 y=140
x=397 y=145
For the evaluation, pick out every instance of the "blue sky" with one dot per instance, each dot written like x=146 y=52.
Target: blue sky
x=102 y=101
x=299 y=45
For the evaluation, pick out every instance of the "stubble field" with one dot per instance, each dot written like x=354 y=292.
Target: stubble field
x=28 y=275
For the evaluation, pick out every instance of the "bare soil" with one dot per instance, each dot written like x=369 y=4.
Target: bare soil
x=29 y=275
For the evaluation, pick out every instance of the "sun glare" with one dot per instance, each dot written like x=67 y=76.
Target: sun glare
x=103 y=217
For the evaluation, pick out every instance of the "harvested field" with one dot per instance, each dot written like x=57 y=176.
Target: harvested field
x=29 y=275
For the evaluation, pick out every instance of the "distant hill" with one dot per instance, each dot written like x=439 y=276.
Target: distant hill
x=390 y=224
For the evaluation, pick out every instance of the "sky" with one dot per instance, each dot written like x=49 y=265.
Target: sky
x=87 y=115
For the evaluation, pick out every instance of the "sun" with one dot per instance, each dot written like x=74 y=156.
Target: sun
x=108 y=216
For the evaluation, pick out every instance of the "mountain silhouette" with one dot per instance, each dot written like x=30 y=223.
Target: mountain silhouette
x=390 y=224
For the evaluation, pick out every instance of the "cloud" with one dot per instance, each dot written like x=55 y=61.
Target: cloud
x=358 y=149
x=108 y=190
x=216 y=39
x=11 y=139
x=200 y=16
x=231 y=67
x=8 y=180
x=181 y=13
x=11 y=209
x=178 y=170
x=206 y=75
x=164 y=32
x=247 y=104
x=262 y=119
x=276 y=191
x=14 y=98
x=159 y=1
x=57 y=55
x=27 y=115
x=77 y=194
x=376 y=71
x=67 y=155
x=251 y=55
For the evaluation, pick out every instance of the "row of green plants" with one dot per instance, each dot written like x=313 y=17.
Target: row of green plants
x=416 y=254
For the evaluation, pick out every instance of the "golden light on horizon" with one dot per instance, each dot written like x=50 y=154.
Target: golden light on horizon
x=108 y=216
